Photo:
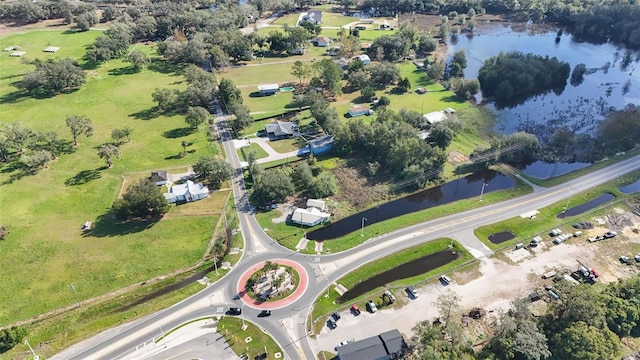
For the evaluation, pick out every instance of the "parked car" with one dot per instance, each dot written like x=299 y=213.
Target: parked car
x=625 y=260
x=610 y=234
x=411 y=292
x=595 y=273
x=637 y=257
x=336 y=316
x=332 y=324
x=234 y=311
x=445 y=280
x=355 y=310
x=264 y=313
x=372 y=306
x=389 y=296
x=555 y=232
x=577 y=233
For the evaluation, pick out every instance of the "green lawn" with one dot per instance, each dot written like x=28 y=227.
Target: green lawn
x=44 y=211
x=287 y=145
x=325 y=306
x=257 y=149
x=289 y=19
x=231 y=329
x=260 y=74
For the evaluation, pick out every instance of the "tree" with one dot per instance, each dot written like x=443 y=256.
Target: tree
x=86 y=20
x=184 y=144
x=384 y=101
x=585 y=342
x=330 y=75
x=142 y=200
x=219 y=58
x=301 y=70
x=16 y=136
x=167 y=99
x=109 y=13
x=53 y=76
x=404 y=85
x=4 y=232
x=460 y=57
x=426 y=44
x=324 y=185
x=448 y=305
x=440 y=135
x=215 y=171
x=620 y=130
x=383 y=74
x=273 y=187
x=119 y=134
x=242 y=115
x=47 y=141
x=229 y=94
x=36 y=160
x=367 y=92
x=108 y=152
x=79 y=125
x=302 y=176
x=358 y=80
x=138 y=59
x=10 y=337
x=196 y=116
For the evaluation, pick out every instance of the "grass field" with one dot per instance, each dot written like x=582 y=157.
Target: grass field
x=231 y=329
x=44 y=211
x=325 y=306
x=257 y=149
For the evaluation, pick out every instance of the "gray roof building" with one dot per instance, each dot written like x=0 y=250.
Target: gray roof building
x=314 y=17
x=281 y=129
x=388 y=345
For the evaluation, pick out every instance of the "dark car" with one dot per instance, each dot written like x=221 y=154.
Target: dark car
x=355 y=310
x=332 y=324
x=234 y=311
x=264 y=313
x=336 y=316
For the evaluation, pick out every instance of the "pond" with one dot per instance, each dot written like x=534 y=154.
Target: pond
x=463 y=188
x=631 y=188
x=576 y=210
x=607 y=83
x=501 y=237
x=407 y=270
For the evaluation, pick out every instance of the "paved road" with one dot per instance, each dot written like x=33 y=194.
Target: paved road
x=287 y=325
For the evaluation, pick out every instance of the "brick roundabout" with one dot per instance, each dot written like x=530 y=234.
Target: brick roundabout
x=277 y=304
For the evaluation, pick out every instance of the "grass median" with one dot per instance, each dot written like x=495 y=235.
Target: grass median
x=231 y=329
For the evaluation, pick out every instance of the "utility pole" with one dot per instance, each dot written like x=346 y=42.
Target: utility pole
x=215 y=263
x=482 y=191
x=164 y=339
x=362 y=226
x=73 y=288
x=35 y=356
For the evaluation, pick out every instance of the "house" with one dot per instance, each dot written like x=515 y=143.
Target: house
x=314 y=17
x=388 y=345
x=299 y=51
x=419 y=64
x=18 y=53
x=360 y=110
x=310 y=216
x=160 y=177
x=342 y=63
x=321 y=145
x=364 y=58
x=281 y=129
x=187 y=192
x=11 y=48
x=315 y=203
x=51 y=49
x=435 y=117
x=268 y=89
x=322 y=41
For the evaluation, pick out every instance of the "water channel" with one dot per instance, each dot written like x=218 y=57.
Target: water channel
x=406 y=270
x=631 y=188
x=579 y=209
x=463 y=188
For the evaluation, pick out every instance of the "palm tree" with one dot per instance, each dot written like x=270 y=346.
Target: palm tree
x=108 y=151
x=184 y=147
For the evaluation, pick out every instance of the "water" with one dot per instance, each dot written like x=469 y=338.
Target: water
x=463 y=188
x=576 y=106
x=576 y=210
x=407 y=270
x=543 y=170
x=501 y=237
x=631 y=188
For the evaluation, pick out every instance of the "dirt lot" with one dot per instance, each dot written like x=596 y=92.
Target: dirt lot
x=496 y=282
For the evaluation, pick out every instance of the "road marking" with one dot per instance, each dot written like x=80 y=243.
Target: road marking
x=176 y=355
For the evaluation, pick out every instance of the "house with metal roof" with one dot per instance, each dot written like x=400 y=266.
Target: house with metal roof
x=314 y=17
x=268 y=89
x=321 y=145
x=359 y=110
x=435 y=117
x=386 y=346
x=281 y=129
x=187 y=192
x=311 y=216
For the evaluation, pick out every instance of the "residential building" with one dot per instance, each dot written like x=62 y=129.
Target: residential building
x=322 y=41
x=160 y=177
x=281 y=129
x=310 y=216
x=321 y=145
x=187 y=192
x=364 y=58
x=360 y=110
x=268 y=89
x=435 y=117
x=388 y=345
x=316 y=203
x=314 y=17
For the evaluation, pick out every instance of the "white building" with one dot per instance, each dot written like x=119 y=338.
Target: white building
x=187 y=192
x=364 y=58
x=435 y=117
x=309 y=216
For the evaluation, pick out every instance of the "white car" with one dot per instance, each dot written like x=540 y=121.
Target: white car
x=445 y=279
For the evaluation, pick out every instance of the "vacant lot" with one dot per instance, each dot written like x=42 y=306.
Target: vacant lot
x=46 y=250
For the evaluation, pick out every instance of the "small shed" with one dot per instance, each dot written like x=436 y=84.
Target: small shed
x=359 y=110
x=160 y=177
x=364 y=58
x=435 y=117
x=268 y=89
x=421 y=90
x=18 y=53
x=51 y=49
x=321 y=145
x=316 y=203
x=11 y=48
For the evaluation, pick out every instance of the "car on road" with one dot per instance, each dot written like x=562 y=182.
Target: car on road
x=336 y=316
x=234 y=311
x=264 y=313
x=355 y=310
x=411 y=292
x=372 y=306
x=332 y=324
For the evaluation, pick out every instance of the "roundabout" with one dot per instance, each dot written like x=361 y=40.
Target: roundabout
x=295 y=293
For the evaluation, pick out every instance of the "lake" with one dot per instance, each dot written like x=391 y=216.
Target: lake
x=579 y=107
